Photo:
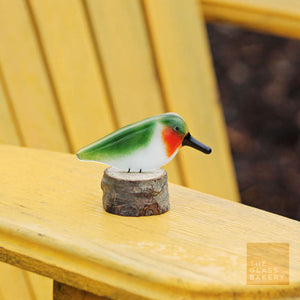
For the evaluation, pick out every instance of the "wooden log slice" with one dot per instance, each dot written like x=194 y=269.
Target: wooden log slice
x=135 y=194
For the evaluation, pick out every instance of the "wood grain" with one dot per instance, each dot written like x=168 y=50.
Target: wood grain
x=135 y=194
x=281 y=17
x=52 y=222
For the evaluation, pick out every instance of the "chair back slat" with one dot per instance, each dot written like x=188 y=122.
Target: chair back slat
x=75 y=71
x=27 y=81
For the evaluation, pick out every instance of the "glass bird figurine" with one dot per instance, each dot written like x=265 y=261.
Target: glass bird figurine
x=143 y=146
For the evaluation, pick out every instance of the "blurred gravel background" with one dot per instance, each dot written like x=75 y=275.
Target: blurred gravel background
x=259 y=84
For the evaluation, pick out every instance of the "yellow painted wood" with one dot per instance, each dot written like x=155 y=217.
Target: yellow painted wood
x=40 y=121
x=185 y=68
x=125 y=50
x=42 y=287
x=27 y=80
x=19 y=284
x=13 y=284
x=280 y=17
x=8 y=130
x=29 y=96
x=52 y=223
x=72 y=60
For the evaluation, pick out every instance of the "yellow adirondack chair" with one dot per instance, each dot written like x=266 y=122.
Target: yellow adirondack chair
x=73 y=71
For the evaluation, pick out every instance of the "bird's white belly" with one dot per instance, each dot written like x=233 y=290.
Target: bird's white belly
x=151 y=157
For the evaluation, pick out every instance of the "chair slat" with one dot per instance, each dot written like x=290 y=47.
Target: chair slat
x=76 y=74
x=42 y=287
x=125 y=50
x=27 y=80
x=8 y=129
x=185 y=68
x=14 y=284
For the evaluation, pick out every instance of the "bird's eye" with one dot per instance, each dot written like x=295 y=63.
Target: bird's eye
x=176 y=128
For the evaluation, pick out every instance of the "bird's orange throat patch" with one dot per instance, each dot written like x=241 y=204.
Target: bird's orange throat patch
x=172 y=140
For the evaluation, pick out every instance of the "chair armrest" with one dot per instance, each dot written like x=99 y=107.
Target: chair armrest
x=281 y=17
x=52 y=223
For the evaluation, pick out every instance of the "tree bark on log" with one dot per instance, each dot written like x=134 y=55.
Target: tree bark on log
x=135 y=194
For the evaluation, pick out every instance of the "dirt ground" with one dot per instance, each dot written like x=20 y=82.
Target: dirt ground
x=259 y=84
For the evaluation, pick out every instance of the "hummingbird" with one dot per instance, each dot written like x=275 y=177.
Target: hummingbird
x=144 y=145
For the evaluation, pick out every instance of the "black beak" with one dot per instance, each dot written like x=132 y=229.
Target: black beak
x=190 y=141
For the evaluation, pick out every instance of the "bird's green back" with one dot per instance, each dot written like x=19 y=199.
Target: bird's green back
x=128 y=139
